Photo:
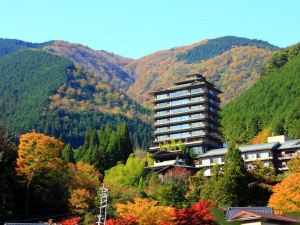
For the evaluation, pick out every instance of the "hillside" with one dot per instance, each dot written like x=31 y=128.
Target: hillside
x=234 y=66
x=11 y=45
x=272 y=103
x=102 y=64
x=46 y=92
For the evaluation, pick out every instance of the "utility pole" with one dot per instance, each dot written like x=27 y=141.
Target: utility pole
x=103 y=206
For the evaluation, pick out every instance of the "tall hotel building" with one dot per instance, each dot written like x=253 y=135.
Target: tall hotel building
x=187 y=113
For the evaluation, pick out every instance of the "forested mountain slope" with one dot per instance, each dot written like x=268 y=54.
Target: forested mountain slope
x=46 y=92
x=273 y=102
x=232 y=63
x=104 y=65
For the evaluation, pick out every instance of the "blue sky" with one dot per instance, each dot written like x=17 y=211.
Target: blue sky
x=135 y=28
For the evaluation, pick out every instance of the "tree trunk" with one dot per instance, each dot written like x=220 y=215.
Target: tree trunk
x=27 y=197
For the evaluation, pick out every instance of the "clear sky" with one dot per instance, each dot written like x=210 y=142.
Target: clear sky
x=135 y=28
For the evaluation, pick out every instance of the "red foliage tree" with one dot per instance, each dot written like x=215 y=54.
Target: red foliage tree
x=197 y=214
x=129 y=220
x=70 y=221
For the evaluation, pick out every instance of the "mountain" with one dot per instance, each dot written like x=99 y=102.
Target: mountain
x=48 y=93
x=102 y=64
x=11 y=45
x=62 y=89
x=232 y=63
x=271 y=104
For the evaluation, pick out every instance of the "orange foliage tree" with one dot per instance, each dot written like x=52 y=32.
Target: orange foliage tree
x=294 y=165
x=261 y=137
x=38 y=153
x=84 y=184
x=286 y=195
x=146 y=211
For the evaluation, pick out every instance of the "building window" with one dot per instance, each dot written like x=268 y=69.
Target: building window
x=217 y=160
x=163 y=104
x=179 y=93
x=205 y=162
x=197 y=150
x=197 y=132
x=162 y=96
x=196 y=90
x=251 y=155
x=161 y=113
x=162 y=137
x=161 y=121
x=263 y=155
x=162 y=129
x=197 y=124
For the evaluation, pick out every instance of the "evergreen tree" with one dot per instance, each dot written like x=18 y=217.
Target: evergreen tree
x=67 y=153
x=125 y=144
x=232 y=188
x=7 y=162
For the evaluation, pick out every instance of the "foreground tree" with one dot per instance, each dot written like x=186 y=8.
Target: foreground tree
x=172 y=190
x=8 y=155
x=145 y=211
x=83 y=186
x=198 y=213
x=39 y=161
x=286 y=195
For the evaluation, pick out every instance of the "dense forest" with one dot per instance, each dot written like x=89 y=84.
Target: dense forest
x=272 y=103
x=12 y=45
x=47 y=93
x=27 y=79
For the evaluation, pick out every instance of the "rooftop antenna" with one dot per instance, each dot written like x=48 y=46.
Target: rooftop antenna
x=103 y=194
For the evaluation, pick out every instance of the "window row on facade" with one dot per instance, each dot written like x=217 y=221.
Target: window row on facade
x=180 y=102
x=180 y=110
x=179 y=118
x=180 y=135
x=246 y=156
x=179 y=93
x=180 y=127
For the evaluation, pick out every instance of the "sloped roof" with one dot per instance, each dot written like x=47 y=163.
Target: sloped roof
x=259 y=146
x=290 y=144
x=231 y=211
x=249 y=215
x=245 y=148
x=213 y=152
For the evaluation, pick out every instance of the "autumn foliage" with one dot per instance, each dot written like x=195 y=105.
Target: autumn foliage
x=198 y=213
x=38 y=152
x=70 y=221
x=129 y=220
x=146 y=211
x=286 y=196
x=261 y=137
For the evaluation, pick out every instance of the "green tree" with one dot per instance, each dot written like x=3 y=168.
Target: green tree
x=67 y=153
x=232 y=188
x=7 y=175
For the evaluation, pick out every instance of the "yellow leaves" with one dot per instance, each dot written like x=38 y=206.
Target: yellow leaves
x=146 y=211
x=294 y=165
x=38 y=152
x=80 y=200
x=84 y=175
x=261 y=137
x=286 y=196
x=84 y=184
